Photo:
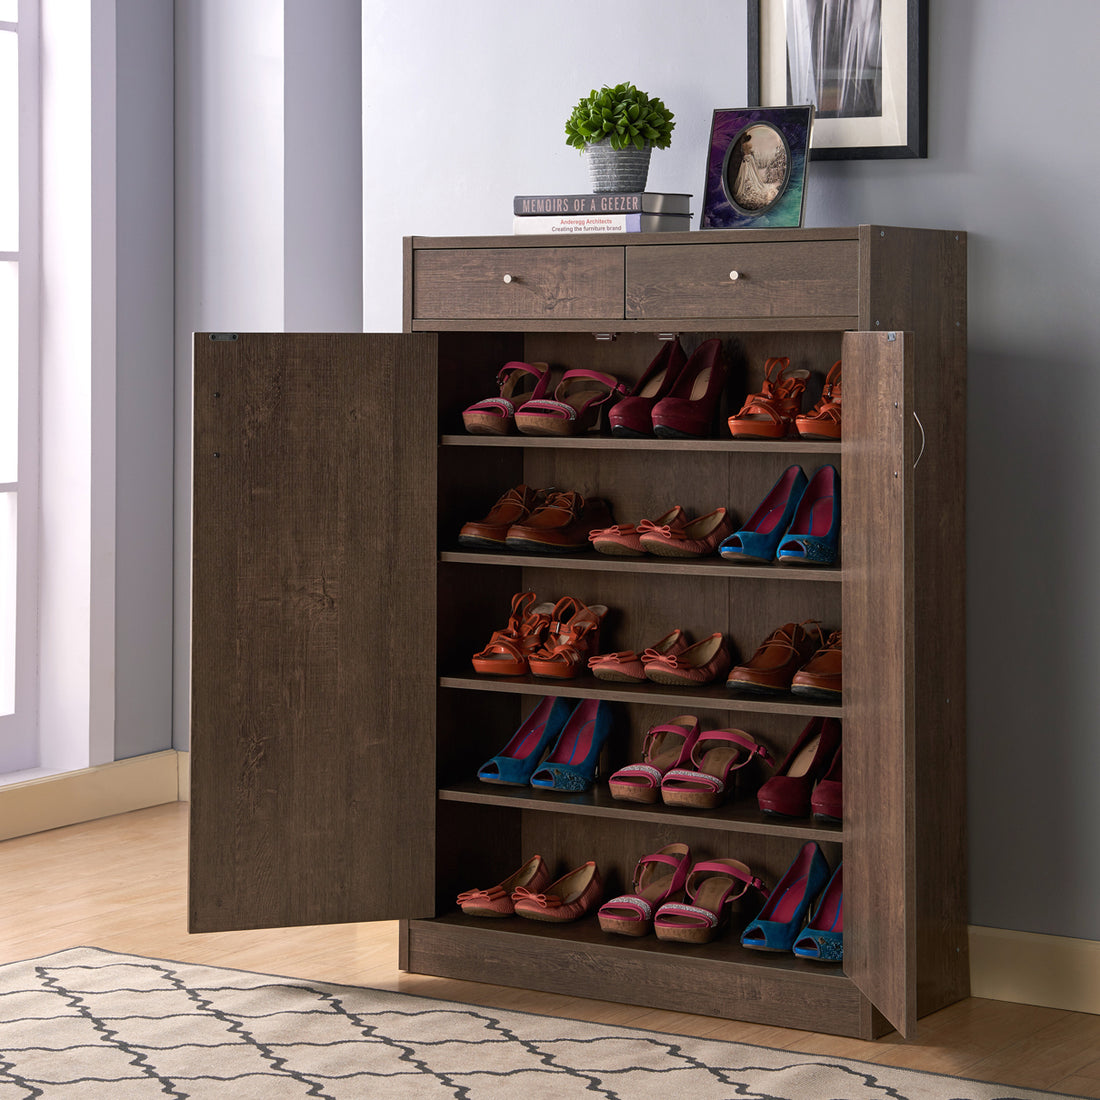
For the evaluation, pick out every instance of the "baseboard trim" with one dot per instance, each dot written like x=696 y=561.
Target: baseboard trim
x=1035 y=969
x=69 y=798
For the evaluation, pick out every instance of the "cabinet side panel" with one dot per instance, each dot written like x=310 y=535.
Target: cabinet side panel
x=880 y=901
x=313 y=698
x=920 y=285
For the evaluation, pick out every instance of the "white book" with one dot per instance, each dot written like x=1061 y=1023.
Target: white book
x=602 y=223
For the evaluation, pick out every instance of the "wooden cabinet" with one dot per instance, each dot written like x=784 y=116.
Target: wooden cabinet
x=337 y=725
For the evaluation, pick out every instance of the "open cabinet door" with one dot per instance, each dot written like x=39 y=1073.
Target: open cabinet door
x=878 y=558
x=313 y=669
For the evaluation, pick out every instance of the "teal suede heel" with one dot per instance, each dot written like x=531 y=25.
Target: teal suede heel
x=759 y=538
x=779 y=923
x=814 y=535
x=571 y=765
x=513 y=765
x=823 y=939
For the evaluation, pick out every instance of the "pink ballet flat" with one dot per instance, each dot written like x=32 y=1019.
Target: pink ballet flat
x=628 y=667
x=496 y=901
x=624 y=540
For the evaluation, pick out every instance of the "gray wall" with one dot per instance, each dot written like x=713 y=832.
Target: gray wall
x=1013 y=161
x=144 y=309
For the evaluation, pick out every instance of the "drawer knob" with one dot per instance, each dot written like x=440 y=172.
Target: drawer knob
x=510 y=279
x=735 y=275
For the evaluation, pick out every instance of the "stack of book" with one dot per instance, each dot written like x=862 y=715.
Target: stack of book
x=605 y=212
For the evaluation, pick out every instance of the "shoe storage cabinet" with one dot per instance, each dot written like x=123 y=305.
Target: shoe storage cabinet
x=338 y=724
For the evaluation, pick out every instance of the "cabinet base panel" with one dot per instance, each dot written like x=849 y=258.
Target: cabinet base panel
x=772 y=993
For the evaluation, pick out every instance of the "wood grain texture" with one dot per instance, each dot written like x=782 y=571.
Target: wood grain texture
x=879 y=668
x=644 y=972
x=312 y=675
x=923 y=287
x=543 y=283
x=808 y=278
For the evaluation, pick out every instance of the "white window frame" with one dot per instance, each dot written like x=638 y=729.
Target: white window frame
x=18 y=730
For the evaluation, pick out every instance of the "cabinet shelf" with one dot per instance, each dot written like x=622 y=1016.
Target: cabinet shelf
x=713 y=567
x=708 y=696
x=738 y=816
x=609 y=443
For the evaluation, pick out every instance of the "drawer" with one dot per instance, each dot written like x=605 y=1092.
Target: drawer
x=785 y=279
x=518 y=283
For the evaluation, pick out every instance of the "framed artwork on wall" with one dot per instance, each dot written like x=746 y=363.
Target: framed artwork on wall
x=756 y=168
x=863 y=64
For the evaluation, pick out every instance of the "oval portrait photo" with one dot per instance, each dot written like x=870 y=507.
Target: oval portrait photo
x=757 y=168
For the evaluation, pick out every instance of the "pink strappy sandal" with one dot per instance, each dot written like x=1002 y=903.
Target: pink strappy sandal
x=632 y=914
x=519 y=383
x=715 y=756
x=770 y=414
x=666 y=747
x=575 y=407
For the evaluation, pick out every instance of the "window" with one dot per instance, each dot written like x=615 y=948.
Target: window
x=18 y=376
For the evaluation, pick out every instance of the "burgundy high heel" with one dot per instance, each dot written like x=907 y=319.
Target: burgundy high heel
x=789 y=789
x=688 y=411
x=632 y=417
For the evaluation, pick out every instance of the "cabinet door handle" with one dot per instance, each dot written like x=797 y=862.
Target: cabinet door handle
x=923 y=440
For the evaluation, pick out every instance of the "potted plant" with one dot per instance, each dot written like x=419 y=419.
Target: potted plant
x=616 y=129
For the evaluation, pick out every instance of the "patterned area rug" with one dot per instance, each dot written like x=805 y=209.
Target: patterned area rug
x=86 y=1024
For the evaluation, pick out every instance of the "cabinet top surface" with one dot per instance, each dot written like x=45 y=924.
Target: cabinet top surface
x=698 y=236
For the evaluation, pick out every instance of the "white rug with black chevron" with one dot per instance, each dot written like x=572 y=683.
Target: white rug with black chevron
x=85 y=1024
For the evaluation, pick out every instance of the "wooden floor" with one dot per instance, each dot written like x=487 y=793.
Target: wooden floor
x=120 y=884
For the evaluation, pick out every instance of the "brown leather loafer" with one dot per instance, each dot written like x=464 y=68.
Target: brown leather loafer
x=772 y=667
x=489 y=533
x=561 y=525
x=820 y=678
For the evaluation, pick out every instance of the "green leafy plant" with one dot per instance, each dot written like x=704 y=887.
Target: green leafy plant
x=623 y=115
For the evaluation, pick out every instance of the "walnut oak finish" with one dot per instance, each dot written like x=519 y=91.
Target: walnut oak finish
x=892 y=303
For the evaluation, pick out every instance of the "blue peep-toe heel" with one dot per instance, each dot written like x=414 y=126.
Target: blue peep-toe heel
x=513 y=765
x=779 y=923
x=823 y=938
x=759 y=538
x=571 y=765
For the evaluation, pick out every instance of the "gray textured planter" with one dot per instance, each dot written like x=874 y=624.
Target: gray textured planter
x=617 y=169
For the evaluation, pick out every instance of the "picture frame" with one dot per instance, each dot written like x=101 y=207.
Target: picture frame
x=757 y=159
x=877 y=110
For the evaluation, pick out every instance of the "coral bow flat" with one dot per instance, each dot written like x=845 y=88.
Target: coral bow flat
x=569 y=898
x=496 y=901
x=624 y=540
x=694 y=540
x=698 y=664
x=628 y=665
